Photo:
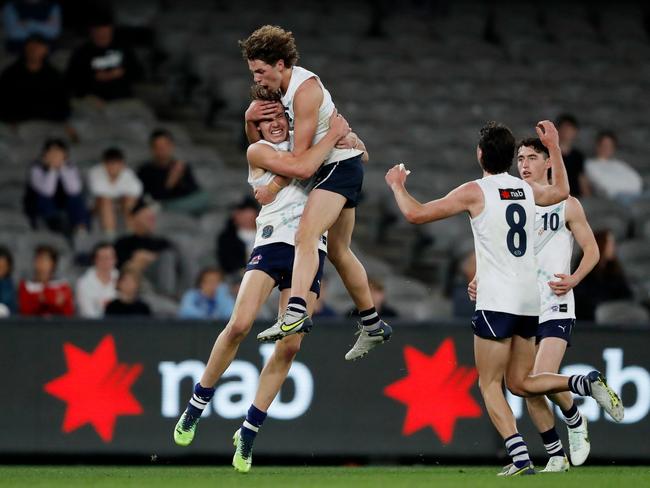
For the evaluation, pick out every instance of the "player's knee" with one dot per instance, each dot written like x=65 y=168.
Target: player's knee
x=517 y=387
x=305 y=237
x=287 y=349
x=336 y=252
x=237 y=329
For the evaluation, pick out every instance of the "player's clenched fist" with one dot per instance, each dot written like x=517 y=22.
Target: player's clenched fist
x=397 y=175
x=261 y=110
x=548 y=134
x=338 y=124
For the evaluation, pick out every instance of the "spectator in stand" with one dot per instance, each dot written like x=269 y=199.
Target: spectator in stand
x=32 y=89
x=103 y=67
x=168 y=179
x=321 y=307
x=54 y=193
x=26 y=18
x=574 y=160
x=606 y=281
x=128 y=301
x=235 y=242
x=97 y=286
x=113 y=184
x=141 y=248
x=610 y=177
x=378 y=293
x=45 y=296
x=211 y=299
x=7 y=288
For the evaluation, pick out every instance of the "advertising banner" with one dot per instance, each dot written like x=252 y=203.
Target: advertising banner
x=118 y=387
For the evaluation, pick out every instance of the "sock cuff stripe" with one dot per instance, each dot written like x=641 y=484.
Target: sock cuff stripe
x=198 y=399
x=518 y=450
x=250 y=426
x=195 y=404
x=513 y=440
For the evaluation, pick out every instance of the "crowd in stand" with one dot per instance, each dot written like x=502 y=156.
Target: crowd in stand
x=122 y=199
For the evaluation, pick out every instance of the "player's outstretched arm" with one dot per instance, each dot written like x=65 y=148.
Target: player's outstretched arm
x=584 y=236
x=286 y=163
x=467 y=197
x=558 y=190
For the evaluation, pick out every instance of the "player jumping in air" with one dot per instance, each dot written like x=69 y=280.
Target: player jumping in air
x=272 y=55
x=502 y=215
x=270 y=266
x=556 y=228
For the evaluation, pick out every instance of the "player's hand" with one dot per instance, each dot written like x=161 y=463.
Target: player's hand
x=564 y=285
x=351 y=141
x=262 y=110
x=471 y=290
x=264 y=195
x=397 y=175
x=338 y=125
x=548 y=134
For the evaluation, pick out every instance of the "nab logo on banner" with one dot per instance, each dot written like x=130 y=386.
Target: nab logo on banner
x=96 y=388
x=436 y=391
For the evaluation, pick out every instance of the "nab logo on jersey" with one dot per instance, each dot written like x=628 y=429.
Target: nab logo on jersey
x=512 y=194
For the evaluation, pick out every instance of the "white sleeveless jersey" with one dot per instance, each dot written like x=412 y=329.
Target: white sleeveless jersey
x=506 y=270
x=298 y=77
x=553 y=248
x=278 y=221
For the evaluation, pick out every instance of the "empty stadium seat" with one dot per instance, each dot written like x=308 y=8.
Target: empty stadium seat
x=622 y=312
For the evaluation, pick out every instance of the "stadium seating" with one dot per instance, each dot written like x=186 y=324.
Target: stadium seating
x=417 y=95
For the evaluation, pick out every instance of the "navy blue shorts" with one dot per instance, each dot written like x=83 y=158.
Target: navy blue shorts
x=344 y=177
x=276 y=260
x=560 y=328
x=501 y=325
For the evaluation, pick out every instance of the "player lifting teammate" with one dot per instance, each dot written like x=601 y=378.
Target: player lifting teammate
x=272 y=55
x=270 y=266
x=556 y=228
x=502 y=215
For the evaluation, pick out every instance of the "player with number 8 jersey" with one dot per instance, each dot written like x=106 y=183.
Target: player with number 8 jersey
x=505 y=264
x=502 y=215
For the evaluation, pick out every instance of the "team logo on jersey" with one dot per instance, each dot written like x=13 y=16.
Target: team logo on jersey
x=255 y=260
x=512 y=194
x=267 y=231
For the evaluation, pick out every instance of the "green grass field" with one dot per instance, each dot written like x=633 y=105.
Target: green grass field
x=312 y=477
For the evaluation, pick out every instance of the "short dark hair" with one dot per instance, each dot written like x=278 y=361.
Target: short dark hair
x=270 y=43
x=49 y=250
x=607 y=134
x=99 y=246
x=156 y=133
x=535 y=143
x=567 y=118
x=55 y=142
x=113 y=154
x=206 y=271
x=497 y=144
x=6 y=254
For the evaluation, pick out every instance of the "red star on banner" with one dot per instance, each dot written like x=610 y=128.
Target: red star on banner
x=96 y=388
x=436 y=391
x=505 y=194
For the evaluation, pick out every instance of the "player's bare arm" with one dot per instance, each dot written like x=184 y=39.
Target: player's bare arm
x=307 y=101
x=288 y=164
x=558 y=190
x=584 y=236
x=466 y=198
